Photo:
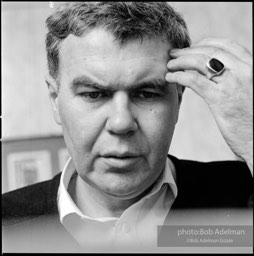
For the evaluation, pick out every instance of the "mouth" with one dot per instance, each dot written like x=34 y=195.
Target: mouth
x=118 y=160
x=121 y=156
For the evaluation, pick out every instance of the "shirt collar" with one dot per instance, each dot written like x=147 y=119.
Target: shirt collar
x=67 y=206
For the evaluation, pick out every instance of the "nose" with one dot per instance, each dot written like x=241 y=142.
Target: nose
x=121 y=120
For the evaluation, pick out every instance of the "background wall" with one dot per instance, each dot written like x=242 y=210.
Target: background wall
x=25 y=104
x=30 y=160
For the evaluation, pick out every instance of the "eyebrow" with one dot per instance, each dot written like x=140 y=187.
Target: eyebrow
x=84 y=81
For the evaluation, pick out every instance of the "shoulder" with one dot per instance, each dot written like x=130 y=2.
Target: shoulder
x=218 y=171
x=212 y=184
x=31 y=201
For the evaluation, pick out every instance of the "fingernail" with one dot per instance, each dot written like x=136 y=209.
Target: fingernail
x=172 y=51
x=169 y=64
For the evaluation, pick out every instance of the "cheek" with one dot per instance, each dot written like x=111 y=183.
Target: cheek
x=159 y=127
x=79 y=126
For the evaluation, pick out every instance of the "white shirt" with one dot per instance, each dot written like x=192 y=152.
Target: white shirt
x=136 y=227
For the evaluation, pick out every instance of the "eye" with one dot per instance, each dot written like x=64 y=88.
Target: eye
x=147 y=95
x=93 y=95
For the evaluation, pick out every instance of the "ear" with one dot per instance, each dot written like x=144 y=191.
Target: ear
x=53 y=88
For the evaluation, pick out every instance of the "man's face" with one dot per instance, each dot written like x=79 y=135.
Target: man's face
x=116 y=110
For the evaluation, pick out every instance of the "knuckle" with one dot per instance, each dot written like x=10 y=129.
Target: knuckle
x=195 y=77
x=203 y=59
x=230 y=42
x=216 y=52
x=178 y=77
x=235 y=45
x=206 y=39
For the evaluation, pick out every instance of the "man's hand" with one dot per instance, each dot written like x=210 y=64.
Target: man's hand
x=228 y=95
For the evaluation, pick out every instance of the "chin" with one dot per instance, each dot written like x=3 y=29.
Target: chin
x=124 y=192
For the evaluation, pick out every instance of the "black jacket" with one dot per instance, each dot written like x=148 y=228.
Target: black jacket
x=213 y=185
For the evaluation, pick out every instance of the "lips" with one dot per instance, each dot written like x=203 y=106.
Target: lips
x=120 y=155
x=121 y=160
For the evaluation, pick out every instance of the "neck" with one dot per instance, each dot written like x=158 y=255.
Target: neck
x=96 y=204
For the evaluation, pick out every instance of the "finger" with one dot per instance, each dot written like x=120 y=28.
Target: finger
x=195 y=81
x=190 y=62
x=230 y=46
x=226 y=58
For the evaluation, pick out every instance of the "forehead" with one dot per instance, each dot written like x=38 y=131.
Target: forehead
x=98 y=54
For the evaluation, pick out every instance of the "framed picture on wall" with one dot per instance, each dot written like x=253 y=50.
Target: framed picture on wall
x=25 y=168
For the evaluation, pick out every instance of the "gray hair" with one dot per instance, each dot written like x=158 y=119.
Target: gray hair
x=126 y=20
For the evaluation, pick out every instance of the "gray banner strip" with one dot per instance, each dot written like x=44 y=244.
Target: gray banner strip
x=204 y=236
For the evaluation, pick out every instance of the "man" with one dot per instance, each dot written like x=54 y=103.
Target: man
x=117 y=72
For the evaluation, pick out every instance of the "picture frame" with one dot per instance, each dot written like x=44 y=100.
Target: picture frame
x=26 y=168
